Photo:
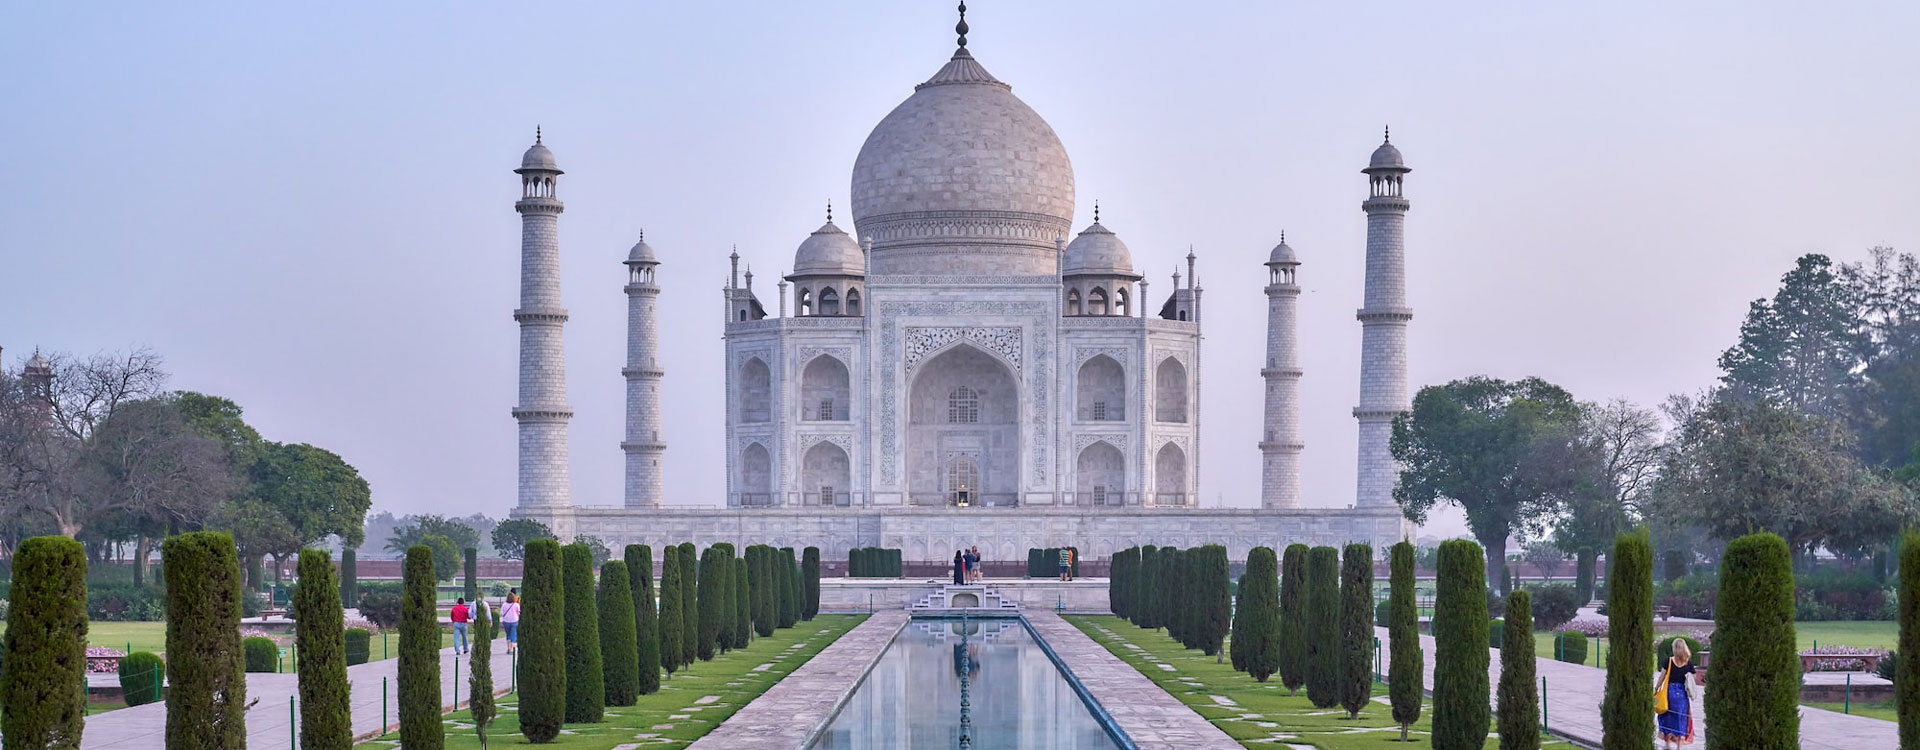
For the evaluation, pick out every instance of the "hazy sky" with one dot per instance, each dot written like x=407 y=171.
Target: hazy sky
x=308 y=208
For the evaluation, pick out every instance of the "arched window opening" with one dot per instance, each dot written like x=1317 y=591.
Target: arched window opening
x=1100 y=391
x=1073 y=302
x=824 y=390
x=1120 y=302
x=1170 y=476
x=963 y=406
x=963 y=479
x=853 y=302
x=1100 y=475
x=1097 y=302
x=824 y=475
x=1170 y=391
x=756 y=476
x=829 y=302
x=756 y=392
x=743 y=316
x=803 y=301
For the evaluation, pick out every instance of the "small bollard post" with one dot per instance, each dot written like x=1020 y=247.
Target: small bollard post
x=514 y=657
x=383 y=645
x=1847 y=708
x=383 y=706
x=1543 y=705
x=293 y=732
x=1376 y=659
x=456 y=683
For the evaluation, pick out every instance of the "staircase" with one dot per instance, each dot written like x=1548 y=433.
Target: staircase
x=970 y=599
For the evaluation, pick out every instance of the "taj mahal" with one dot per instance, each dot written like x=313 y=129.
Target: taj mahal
x=963 y=368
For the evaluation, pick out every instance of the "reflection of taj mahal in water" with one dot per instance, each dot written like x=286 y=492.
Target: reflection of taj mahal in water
x=958 y=372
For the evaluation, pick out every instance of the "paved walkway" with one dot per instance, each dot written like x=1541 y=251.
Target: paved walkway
x=269 y=723
x=1574 y=693
x=1152 y=718
x=786 y=716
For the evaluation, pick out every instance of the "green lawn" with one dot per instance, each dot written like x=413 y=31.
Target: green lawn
x=1882 y=710
x=1262 y=713
x=673 y=717
x=1883 y=634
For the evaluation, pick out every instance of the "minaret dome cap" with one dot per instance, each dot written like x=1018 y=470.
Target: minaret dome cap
x=829 y=251
x=538 y=158
x=1283 y=254
x=642 y=252
x=1387 y=157
x=1098 y=251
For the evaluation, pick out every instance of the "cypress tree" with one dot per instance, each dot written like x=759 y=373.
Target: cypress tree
x=1906 y=675
x=1237 y=639
x=1519 y=716
x=1215 y=608
x=1583 y=569
x=472 y=557
x=1118 y=577
x=760 y=567
x=1460 y=710
x=480 y=679
x=320 y=637
x=1752 y=700
x=1356 y=628
x=1144 y=588
x=725 y=615
x=618 y=656
x=1167 y=612
x=207 y=694
x=810 y=576
x=671 y=621
x=1260 y=609
x=790 y=570
x=689 y=604
x=349 y=578
x=782 y=596
x=586 y=672
x=46 y=646
x=543 y=646
x=646 y=623
x=711 y=596
x=1293 y=618
x=799 y=587
x=419 y=668
x=742 y=604
x=1323 y=627
x=1626 y=713
x=1407 y=661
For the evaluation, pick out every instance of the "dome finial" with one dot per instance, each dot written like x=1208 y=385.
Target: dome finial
x=962 y=26
x=1386 y=135
x=829 y=212
x=536 y=135
x=1096 y=211
x=1283 y=236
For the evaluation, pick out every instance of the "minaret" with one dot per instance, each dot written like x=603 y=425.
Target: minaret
x=1280 y=445
x=543 y=412
x=1383 y=326
x=643 y=445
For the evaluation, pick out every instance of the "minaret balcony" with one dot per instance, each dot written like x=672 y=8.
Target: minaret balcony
x=561 y=414
x=1371 y=414
x=1283 y=447
x=1383 y=314
x=638 y=372
x=644 y=446
x=1281 y=372
x=1385 y=203
x=547 y=315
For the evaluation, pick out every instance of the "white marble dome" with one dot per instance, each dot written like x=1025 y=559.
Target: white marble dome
x=641 y=252
x=1283 y=253
x=1387 y=156
x=829 y=252
x=1098 y=251
x=963 y=178
x=538 y=157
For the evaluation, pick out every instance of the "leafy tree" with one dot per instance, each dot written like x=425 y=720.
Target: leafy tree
x=1323 y=627
x=1906 y=677
x=1406 y=661
x=480 y=682
x=672 y=623
x=1626 y=713
x=1460 y=711
x=1480 y=443
x=326 y=713
x=1259 y=614
x=543 y=649
x=207 y=690
x=1752 y=700
x=594 y=544
x=420 y=725
x=54 y=472
x=1802 y=348
x=689 y=604
x=586 y=675
x=445 y=556
x=1611 y=466
x=810 y=569
x=646 y=622
x=1356 y=621
x=359 y=645
x=1519 y=715
x=416 y=528
x=297 y=495
x=711 y=595
x=510 y=537
x=1293 y=618
x=46 y=646
x=617 y=636
x=147 y=471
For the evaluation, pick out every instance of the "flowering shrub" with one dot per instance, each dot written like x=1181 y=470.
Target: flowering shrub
x=104 y=667
x=1839 y=664
x=362 y=623
x=1589 y=628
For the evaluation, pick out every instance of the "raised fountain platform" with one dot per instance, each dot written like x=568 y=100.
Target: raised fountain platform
x=971 y=599
x=1086 y=595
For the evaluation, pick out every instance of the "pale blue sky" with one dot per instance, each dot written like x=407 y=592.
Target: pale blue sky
x=309 y=208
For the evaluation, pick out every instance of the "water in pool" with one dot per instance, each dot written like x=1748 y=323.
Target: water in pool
x=951 y=684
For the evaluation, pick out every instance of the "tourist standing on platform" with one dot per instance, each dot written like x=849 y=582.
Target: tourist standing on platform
x=976 y=565
x=959 y=568
x=510 y=619
x=1066 y=564
x=460 y=618
x=1676 y=722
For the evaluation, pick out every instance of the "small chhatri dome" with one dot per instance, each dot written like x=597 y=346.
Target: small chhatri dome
x=1386 y=156
x=1098 y=251
x=829 y=252
x=1283 y=253
x=642 y=252
x=38 y=363
x=538 y=157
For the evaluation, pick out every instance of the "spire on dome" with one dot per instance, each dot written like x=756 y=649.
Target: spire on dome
x=536 y=135
x=1096 y=210
x=962 y=26
x=1386 y=134
x=829 y=212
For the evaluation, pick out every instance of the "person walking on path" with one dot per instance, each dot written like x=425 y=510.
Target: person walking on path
x=1676 y=723
x=510 y=619
x=959 y=568
x=460 y=617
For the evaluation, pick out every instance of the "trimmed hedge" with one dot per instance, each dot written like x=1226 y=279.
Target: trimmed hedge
x=1626 y=713
x=1146 y=591
x=1212 y=602
x=359 y=645
x=543 y=648
x=689 y=604
x=1045 y=563
x=1293 y=618
x=1460 y=711
x=742 y=603
x=1356 y=628
x=1323 y=627
x=1570 y=646
x=672 y=623
x=765 y=605
x=46 y=645
x=1664 y=650
x=711 y=595
x=1906 y=673
x=725 y=630
x=140 y=675
x=1519 y=714
x=799 y=586
x=1406 y=662
x=873 y=562
x=783 y=593
x=810 y=575
x=586 y=675
x=617 y=650
x=1497 y=632
x=420 y=727
x=207 y=693
x=326 y=712
x=1555 y=605
x=646 y=622
x=1260 y=609
x=1752 y=700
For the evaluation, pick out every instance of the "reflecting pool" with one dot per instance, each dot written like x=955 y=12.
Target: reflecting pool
x=951 y=684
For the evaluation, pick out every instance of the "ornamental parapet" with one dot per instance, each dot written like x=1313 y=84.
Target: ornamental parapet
x=1283 y=447
x=543 y=415
x=1284 y=372
x=643 y=289
x=636 y=372
x=541 y=315
x=1385 y=203
x=1370 y=414
x=1383 y=314
x=539 y=206
x=654 y=445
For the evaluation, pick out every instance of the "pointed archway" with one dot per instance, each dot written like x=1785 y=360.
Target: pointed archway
x=963 y=435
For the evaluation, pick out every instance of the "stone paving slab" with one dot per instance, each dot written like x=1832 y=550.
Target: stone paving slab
x=1574 y=693
x=1151 y=717
x=268 y=724
x=786 y=716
